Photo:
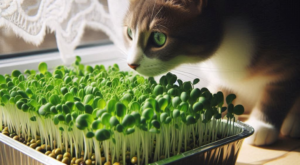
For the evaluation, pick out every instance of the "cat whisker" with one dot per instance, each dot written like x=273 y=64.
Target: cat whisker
x=153 y=9
x=208 y=69
x=162 y=26
x=157 y=12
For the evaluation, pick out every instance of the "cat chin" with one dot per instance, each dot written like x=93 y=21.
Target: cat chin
x=151 y=72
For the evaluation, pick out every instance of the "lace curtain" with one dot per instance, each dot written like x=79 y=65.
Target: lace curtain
x=30 y=19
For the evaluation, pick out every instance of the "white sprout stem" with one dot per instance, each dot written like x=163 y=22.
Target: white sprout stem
x=97 y=151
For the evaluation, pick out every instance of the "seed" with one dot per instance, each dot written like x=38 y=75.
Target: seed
x=134 y=160
x=107 y=163
x=52 y=155
x=93 y=162
x=32 y=141
x=27 y=143
x=43 y=146
x=73 y=160
x=58 y=151
x=33 y=145
x=59 y=157
x=38 y=142
x=67 y=154
x=5 y=133
x=65 y=160
x=93 y=157
x=77 y=161
x=16 y=137
x=40 y=149
x=5 y=129
x=88 y=162
x=82 y=163
x=48 y=153
x=116 y=163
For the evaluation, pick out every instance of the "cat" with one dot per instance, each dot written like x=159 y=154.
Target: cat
x=253 y=44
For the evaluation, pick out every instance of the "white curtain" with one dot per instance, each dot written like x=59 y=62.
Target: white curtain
x=30 y=19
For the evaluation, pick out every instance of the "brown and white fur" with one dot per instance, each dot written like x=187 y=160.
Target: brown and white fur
x=253 y=46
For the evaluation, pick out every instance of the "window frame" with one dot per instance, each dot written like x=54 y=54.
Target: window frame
x=106 y=54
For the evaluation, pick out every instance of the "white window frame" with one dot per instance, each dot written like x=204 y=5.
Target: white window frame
x=102 y=54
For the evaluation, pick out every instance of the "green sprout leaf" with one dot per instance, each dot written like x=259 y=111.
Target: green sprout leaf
x=90 y=135
x=156 y=124
x=105 y=117
x=88 y=109
x=238 y=110
x=96 y=124
x=15 y=73
x=176 y=101
x=102 y=134
x=158 y=89
x=128 y=121
x=135 y=106
x=111 y=106
x=163 y=116
x=120 y=109
x=45 y=109
x=43 y=67
x=230 y=98
x=196 y=81
x=83 y=121
x=54 y=99
x=148 y=113
x=2 y=79
x=79 y=106
x=114 y=121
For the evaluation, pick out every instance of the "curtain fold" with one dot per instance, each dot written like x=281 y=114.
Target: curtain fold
x=31 y=19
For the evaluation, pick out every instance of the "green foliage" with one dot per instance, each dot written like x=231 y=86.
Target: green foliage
x=102 y=100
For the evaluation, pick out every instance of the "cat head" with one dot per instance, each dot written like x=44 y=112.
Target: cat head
x=162 y=34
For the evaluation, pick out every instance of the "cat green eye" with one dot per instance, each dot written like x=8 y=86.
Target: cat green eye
x=159 y=39
x=129 y=33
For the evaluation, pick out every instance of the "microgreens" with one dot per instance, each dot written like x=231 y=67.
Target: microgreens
x=93 y=106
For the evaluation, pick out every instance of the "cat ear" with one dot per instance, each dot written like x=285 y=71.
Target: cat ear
x=199 y=4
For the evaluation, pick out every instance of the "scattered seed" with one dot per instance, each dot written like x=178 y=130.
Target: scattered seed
x=134 y=160
x=33 y=145
x=52 y=155
x=65 y=160
x=67 y=154
x=88 y=162
x=48 y=153
x=107 y=163
x=58 y=151
x=16 y=138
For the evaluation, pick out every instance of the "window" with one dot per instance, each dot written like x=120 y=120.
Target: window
x=15 y=53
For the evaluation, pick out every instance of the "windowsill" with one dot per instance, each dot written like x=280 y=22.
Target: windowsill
x=104 y=54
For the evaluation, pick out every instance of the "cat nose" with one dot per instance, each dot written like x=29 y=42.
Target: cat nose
x=133 y=66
